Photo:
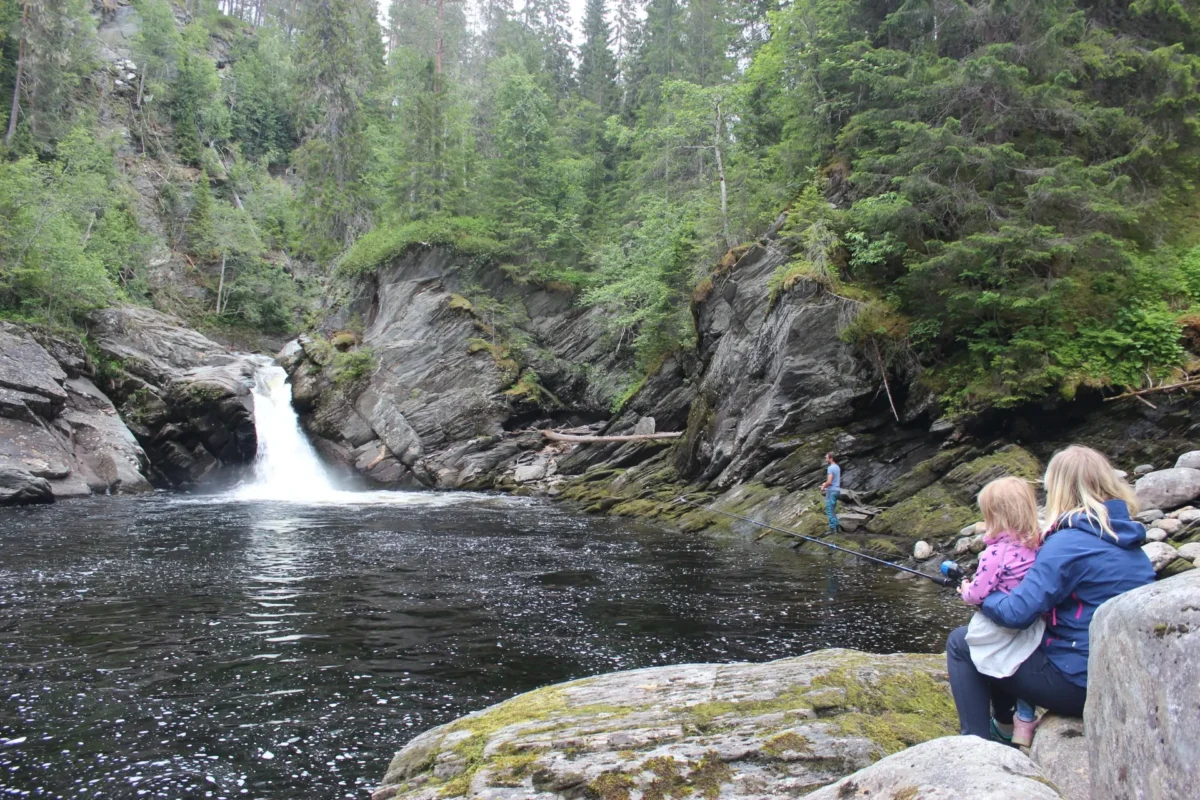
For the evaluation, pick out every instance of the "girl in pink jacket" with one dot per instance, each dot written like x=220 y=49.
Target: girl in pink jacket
x=1013 y=537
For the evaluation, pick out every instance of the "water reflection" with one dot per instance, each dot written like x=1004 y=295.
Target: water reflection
x=164 y=647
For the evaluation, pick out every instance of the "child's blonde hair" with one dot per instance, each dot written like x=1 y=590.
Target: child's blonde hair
x=1010 y=506
x=1078 y=481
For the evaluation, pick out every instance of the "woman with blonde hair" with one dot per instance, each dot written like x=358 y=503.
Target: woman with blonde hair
x=1091 y=553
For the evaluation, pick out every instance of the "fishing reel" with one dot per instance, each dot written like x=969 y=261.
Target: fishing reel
x=952 y=574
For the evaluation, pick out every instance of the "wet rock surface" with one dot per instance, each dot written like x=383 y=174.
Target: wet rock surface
x=778 y=729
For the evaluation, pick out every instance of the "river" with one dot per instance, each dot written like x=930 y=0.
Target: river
x=248 y=645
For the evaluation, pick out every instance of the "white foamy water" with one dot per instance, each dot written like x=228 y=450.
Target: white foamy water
x=288 y=469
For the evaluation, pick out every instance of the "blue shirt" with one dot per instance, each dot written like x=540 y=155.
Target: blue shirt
x=836 y=473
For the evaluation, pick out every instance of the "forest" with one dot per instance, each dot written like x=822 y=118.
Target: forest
x=1004 y=189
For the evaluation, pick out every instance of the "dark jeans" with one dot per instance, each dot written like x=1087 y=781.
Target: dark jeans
x=979 y=697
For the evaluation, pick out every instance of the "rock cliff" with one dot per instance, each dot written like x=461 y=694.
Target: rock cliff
x=182 y=408
x=458 y=366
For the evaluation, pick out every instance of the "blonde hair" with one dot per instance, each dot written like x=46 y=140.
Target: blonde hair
x=1078 y=481
x=1010 y=506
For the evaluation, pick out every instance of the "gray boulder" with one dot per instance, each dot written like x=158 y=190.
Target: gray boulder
x=1156 y=535
x=1141 y=710
x=1142 y=469
x=1149 y=515
x=1190 y=551
x=764 y=731
x=952 y=768
x=1143 y=670
x=1190 y=459
x=1169 y=525
x=922 y=550
x=18 y=488
x=1060 y=749
x=1168 y=488
x=1160 y=554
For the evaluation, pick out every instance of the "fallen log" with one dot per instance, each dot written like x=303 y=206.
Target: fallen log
x=555 y=436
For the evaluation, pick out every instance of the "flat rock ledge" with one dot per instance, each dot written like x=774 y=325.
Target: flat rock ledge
x=774 y=730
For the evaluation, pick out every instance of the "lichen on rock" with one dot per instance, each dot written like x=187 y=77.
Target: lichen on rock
x=701 y=730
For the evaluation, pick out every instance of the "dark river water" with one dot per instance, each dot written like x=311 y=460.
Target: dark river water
x=174 y=647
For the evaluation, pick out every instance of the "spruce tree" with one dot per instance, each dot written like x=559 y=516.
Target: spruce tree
x=597 y=67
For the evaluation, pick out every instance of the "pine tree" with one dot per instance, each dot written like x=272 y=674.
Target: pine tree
x=200 y=226
x=550 y=23
x=339 y=61
x=597 y=67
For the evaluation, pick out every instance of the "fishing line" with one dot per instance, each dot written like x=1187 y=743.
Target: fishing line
x=949 y=576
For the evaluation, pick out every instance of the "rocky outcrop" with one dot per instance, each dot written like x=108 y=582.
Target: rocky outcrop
x=1142 y=714
x=952 y=768
x=59 y=435
x=733 y=730
x=185 y=397
x=449 y=380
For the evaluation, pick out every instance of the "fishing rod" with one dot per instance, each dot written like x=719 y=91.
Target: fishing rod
x=951 y=573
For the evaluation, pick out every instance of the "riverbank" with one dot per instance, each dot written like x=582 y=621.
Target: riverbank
x=858 y=725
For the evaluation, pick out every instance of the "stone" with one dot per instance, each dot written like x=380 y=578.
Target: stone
x=527 y=473
x=1160 y=554
x=1121 y=474
x=1149 y=515
x=922 y=551
x=1141 y=714
x=740 y=730
x=1190 y=551
x=1187 y=515
x=963 y=545
x=1168 y=525
x=950 y=768
x=644 y=427
x=1142 y=469
x=1189 y=459
x=1168 y=488
x=968 y=531
x=1156 y=535
x=27 y=368
x=1060 y=750
x=19 y=487
x=978 y=544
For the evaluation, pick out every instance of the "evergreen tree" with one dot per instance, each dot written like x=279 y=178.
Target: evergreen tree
x=550 y=23
x=597 y=67
x=339 y=60
x=201 y=231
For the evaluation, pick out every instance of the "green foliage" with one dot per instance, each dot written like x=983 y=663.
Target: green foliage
x=466 y=234
x=68 y=243
x=199 y=116
x=352 y=366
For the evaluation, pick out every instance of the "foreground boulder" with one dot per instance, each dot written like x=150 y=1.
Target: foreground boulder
x=1142 y=712
x=730 y=730
x=1060 y=750
x=952 y=768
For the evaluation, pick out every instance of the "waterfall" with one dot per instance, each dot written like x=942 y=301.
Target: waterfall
x=286 y=467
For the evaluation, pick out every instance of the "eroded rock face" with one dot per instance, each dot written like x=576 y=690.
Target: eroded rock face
x=729 y=730
x=1142 y=713
x=447 y=385
x=953 y=768
x=59 y=435
x=185 y=397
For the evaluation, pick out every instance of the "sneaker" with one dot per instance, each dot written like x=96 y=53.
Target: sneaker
x=999 y=735
x=1023 y=731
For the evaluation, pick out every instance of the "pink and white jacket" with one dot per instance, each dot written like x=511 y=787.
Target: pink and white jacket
x=1001 y=567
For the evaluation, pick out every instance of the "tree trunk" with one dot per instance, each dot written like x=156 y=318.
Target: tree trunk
x=221 y=285
x=717 y=124
x=16 y=98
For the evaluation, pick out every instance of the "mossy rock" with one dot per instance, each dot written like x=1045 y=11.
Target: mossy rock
x=948 y=505
x=699 y=730
x=1175 y=567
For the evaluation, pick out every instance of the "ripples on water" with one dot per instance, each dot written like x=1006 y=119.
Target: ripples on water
x=163 y=647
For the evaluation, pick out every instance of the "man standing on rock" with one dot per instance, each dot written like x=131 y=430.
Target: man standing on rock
x=831 y=489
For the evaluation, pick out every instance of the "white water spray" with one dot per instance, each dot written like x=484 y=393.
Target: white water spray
x=286 y=468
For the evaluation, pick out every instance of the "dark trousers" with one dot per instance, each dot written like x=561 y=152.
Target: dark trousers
x=979 y=697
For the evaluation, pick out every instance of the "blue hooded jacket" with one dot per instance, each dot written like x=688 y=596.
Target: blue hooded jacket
x=1078 y=567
